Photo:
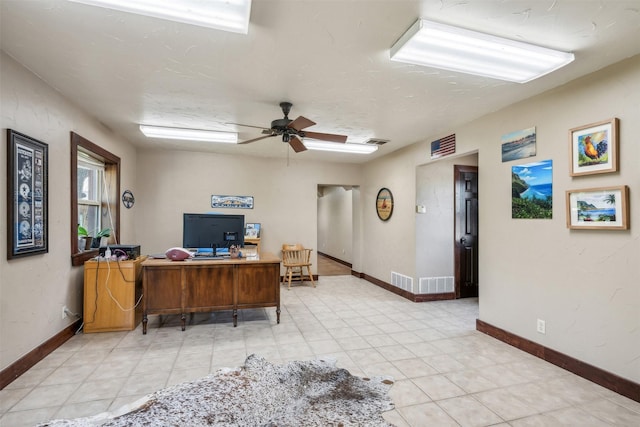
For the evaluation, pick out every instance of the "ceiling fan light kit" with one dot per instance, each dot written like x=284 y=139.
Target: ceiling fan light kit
x=231 y=15
x=189 y=134
x=437 y=45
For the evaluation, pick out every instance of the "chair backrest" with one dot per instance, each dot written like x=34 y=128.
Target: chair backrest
x=292 y=247
x=295 y=255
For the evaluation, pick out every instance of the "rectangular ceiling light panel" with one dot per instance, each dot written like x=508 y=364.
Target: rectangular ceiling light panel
x=340 y=148
x=436 y=45
x=226 y=15
x=189 y=134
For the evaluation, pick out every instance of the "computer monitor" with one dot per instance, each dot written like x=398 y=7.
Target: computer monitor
x=203 y=232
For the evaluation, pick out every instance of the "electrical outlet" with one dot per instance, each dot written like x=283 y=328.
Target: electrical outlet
x=541 y=326
x=64 y=312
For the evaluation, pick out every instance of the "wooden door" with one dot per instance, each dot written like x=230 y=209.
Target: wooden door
x=466 y=231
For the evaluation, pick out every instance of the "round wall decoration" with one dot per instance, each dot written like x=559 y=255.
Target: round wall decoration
x=384 y=204
x=127 y=199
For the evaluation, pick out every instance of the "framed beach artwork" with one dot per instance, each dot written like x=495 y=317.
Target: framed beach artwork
x=519 y=144
x=532 y=190
x=604 y=208
x=593 y=148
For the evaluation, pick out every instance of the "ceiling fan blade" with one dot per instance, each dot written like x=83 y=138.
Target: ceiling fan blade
x=296 y=144
x=247 y=126
x=256 y=139
x=300 y=123
x=325 y=136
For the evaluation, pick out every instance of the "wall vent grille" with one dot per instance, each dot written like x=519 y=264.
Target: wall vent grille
x=401 y=281
x=436 y=285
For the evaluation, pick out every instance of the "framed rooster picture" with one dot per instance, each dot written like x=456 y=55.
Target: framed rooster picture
x=594 y=148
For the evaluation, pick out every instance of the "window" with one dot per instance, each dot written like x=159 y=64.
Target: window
x=95 y=187
x=90 y=178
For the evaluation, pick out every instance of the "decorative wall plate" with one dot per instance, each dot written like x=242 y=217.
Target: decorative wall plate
x=384 y=204
x=127 y=199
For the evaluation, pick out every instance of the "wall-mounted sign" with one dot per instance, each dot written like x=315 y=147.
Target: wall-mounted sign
x=238 y=202
x=127 y=199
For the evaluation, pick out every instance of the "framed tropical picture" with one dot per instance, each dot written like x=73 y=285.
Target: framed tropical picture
x=532 y=190
x=594 y=148
x=604 y=208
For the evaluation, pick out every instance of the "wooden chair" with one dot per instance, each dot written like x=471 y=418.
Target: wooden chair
x=295 y=258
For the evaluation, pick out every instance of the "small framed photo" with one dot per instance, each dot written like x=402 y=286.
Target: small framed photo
x=594 y=148
x=27 y=203
x=252 y=230
x=605 y=208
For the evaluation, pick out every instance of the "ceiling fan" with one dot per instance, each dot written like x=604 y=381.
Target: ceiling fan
x=292 y=130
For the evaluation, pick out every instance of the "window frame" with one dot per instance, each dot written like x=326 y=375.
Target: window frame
x=112 y=175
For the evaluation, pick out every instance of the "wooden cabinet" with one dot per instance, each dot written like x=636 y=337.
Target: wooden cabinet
x=111 y=291
x=181 y=287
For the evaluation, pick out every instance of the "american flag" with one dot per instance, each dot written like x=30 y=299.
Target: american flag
x=443 y=147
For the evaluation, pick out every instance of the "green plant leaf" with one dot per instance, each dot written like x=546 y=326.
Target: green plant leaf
x=105 y=232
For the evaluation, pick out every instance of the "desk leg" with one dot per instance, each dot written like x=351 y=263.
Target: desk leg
x=144 y=323
x=183 y=320
x=278 y=314
x=235 y=317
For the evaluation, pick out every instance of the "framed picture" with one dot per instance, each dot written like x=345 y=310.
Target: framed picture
x=594 y=148
x=252 y=230
x=532 y=190
x=519 y=144
x=605 y=208
x=27 y=204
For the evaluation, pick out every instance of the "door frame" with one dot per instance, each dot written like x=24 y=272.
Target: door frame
x=456 y=251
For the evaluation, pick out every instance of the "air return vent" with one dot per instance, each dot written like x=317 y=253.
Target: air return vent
x=376 y=141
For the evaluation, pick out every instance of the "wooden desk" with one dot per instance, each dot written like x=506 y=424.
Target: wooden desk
x=112 y=292
x=180 y=287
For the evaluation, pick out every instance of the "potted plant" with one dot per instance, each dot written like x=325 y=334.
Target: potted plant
x=84 y=240
x=100 y=239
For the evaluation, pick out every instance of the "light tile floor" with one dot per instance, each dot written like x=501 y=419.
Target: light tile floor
x=446 y=373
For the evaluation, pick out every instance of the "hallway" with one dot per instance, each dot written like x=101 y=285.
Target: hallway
x=327 y=266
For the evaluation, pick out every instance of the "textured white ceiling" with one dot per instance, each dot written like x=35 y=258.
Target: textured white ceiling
x=329 y=58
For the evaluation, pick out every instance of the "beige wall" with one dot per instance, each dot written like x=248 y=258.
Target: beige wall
x=390 y=245
x=285 y=196
x=584 y=284
x=33 y=289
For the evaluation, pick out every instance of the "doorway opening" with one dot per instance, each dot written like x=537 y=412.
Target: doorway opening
x=337 y=228
x=435 y=227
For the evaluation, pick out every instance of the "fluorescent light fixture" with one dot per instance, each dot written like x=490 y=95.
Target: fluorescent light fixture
x=436 y=45
x=189 y=134
x=340 y=148
x=226 y=15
